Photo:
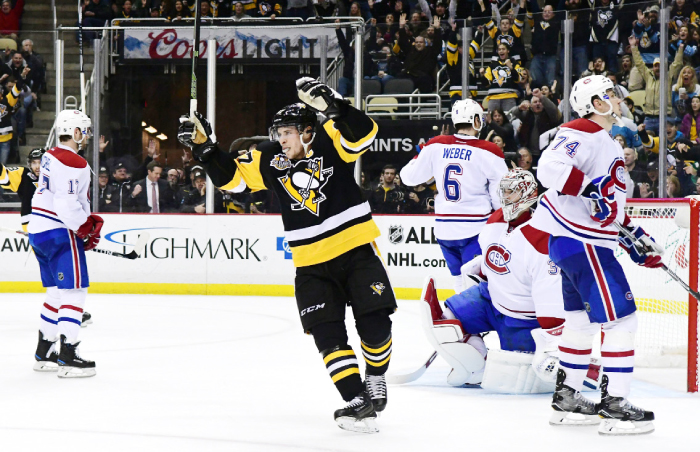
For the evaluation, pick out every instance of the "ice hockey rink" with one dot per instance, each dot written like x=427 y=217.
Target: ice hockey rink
x=215 y=373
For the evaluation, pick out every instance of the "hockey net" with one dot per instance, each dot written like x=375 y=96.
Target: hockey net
x=668 y=315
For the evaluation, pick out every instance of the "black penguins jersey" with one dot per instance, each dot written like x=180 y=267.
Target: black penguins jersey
x=22 y=181
x=323 y=210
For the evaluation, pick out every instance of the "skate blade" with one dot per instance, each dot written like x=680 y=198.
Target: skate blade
x=75 y=372
x=44 y=366
x=367 y=425
x=562 y=418
x=614 y=427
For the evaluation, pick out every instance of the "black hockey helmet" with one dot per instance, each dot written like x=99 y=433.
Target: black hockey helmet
x=35 y=154
x=298 y=115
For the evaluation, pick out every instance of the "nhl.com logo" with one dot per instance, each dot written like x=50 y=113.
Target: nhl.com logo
x=395 y=234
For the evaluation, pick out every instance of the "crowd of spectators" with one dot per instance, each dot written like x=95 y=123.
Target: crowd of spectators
x=22 y=81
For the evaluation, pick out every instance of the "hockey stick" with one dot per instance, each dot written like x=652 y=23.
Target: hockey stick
x=195 y=60
x=643 y=249
x=412 y=376
x=80 y=45
x=140 y=243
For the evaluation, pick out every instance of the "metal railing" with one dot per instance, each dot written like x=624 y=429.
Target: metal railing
x=417 y=108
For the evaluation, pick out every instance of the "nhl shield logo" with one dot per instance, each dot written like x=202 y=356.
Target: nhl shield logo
x=395 y=234
x=60 y=276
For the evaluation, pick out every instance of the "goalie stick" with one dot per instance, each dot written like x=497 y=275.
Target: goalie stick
x=642 y=248
x=412 y=376
x=140 y=243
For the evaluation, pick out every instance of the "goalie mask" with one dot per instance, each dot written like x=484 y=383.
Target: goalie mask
x=297 y=115
x=517 y=191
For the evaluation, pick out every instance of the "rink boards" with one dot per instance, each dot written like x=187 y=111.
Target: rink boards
x=219 y=255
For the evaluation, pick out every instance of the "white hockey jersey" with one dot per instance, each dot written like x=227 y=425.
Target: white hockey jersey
x=580 y=152
x=523 y=281
x=61 y=199
x=467 y=172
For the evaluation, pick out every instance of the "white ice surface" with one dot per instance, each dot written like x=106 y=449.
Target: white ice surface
x=197 y=373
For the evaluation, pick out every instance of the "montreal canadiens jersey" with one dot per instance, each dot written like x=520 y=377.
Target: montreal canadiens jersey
x=523 y=281
x=580 y=152
x=467 y=172
x=23 y=182
x=61 y=199
x=323 y=210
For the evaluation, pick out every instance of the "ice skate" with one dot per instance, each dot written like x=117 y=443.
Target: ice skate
x=71 y=364
x=376 y=387
x=87 y=320
x=570 y=407
x=46 y=355
x=621 y=417
x=358 y=416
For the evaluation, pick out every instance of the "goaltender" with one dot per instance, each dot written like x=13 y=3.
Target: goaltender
x=329 y=227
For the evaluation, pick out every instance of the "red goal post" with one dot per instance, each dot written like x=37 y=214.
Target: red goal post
x=668 y=315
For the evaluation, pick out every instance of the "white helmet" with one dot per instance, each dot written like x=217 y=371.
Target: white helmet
x=68 y=120
x=465 y=112
x=588 y=87
x=520 y=181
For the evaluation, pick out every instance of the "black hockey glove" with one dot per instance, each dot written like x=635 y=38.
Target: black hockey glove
x=197 y=136
x=322 y=98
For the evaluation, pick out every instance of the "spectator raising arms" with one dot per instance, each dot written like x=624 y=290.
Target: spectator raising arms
x=685 y=89
x=502 y=74
x=420 y=59
x=537 y=117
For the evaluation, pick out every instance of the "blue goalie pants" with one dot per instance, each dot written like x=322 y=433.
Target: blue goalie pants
x=459 y=252
x=61 y=259
x=474 y=309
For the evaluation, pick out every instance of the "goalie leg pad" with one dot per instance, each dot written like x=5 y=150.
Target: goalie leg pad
x=449 y=339
x=512 y=373
x=617 y=354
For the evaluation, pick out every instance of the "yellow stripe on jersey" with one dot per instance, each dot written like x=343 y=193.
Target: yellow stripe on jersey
x=249 y=171
x=349 y=151
x=338 y=354
x=335 y=245
x=11 y=177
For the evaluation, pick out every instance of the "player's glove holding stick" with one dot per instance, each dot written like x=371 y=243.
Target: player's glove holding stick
x=321 y=98
x=195 y=133
x=601 y=193
x=644 y=251
x=89 y=232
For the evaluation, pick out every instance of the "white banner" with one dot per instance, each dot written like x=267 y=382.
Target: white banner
x=232 y=43
x=219 y=254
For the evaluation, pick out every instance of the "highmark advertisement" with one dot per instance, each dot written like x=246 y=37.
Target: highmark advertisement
x=245 y=43
x=219 y=254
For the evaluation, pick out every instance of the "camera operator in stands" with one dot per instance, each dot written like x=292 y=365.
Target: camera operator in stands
x=118 y=190
x=389 y=197
x=417 y=199
x=194 y=201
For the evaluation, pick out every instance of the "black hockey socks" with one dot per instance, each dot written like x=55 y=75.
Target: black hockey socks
x=341 y=364
x=377 y=356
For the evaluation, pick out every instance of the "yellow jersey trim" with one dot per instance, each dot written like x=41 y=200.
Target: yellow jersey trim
x=335 y=245
x=378 y=350
x=345 y=373
x=338 y=354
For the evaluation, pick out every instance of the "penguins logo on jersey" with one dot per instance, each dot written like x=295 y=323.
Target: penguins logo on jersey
x=501 y=74
x=544 y=25
x=505 y=39
x=604 y=17
x=281 y=162
x=497 y=258
x=304 y=183
x=3 y=110
x=378 y=288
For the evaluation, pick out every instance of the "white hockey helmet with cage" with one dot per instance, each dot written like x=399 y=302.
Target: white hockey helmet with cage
x=585 y=89
x=465 y=112
x=68 y=120
x=517 y=181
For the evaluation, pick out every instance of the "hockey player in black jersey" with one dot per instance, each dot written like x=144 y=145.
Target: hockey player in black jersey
x=23 y=181
x=330 y=231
